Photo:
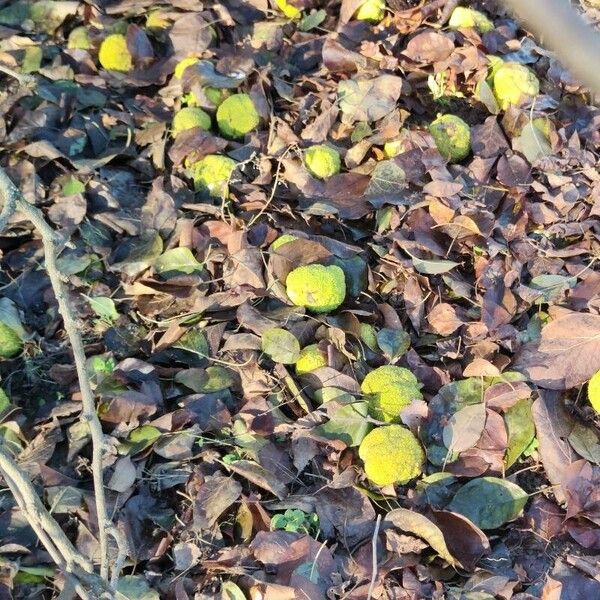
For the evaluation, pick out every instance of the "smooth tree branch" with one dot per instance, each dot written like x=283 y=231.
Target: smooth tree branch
x=14 y=200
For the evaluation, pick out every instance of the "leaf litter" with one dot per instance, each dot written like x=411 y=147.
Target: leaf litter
x=231 y=474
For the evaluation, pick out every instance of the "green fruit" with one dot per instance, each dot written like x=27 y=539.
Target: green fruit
x=10 y=342
x=237 y=116
x=190 y=117
x=463 y=18
x=371 y=10
x=452 y=137
x=283 y=239
x=79 y=39
x=212 y=173
x=114 y=54
x=311 y=358
x=316 y=287
x=388 y=390
x=322 y=161
x=514 y=83
x=392 y=454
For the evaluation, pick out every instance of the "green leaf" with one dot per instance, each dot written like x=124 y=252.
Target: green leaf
x=585 y=442
x=104 y=308
x=419 y=525
x=486 y=96
x=194 y=341
x=280 y=345
x=347 y=422
x=9 y=315
x=552 y=286
x=520 y=429
x=312 y=20
x=532 y=143
x=32 y=61
x=433 y=267
x=135 y=587
x=230 y=591
x=140 y=439
x=393 y=342
x=387 y=178
x=72 y=186
x=4 y=401
x=489 y=502
x=176 y=262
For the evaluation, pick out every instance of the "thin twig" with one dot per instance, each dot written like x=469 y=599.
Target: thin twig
x=51 y=240
x=123 y=552
x=25 y=80
x=374 y=557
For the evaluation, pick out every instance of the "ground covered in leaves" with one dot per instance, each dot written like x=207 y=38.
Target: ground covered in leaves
x=234 y=472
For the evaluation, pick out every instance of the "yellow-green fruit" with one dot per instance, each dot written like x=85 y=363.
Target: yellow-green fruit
x=114 y=54
x=513 y=83
x=392 y=454
x=215 y=95
x=463 y=18
x=452 y=137
x=156 y=20
x=79 y=39
x=211 y=174
x=594 y=391
x=316 y=287
x=283 y=239
x=10 y=342
x=237 y=116
x=371 y=10
x=322 y=161
x=182 y=65
x=188 y=118
x=311 y=358
x=388 y=390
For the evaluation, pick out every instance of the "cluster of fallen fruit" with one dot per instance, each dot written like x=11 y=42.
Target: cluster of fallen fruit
x=391 y=453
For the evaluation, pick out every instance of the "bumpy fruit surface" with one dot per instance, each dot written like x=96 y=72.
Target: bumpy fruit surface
x=371 y=10
x=211 y=174
x=452 y=137
x=188 y=118
x=10 y=342
x=114 y=54
x=594 y=391
x=79 y=39
x=388 y=390
x=316 y=287
x=513 y=83
x=283 y=239
x=463 y=18
x=392 y=454
x=237 y=116
x=322 y=161
x=311 y=358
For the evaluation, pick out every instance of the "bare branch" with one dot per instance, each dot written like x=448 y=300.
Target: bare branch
x=559 y=27
x=50 y=239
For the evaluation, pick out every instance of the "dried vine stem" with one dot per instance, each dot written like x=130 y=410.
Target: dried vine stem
x=13 y=201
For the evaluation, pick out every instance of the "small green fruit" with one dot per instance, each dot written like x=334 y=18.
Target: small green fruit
x=452 y=137
x=371 y=10
x=10 y=342
x=188 y=118
x=79 y=39
x=392 y=454
x=212 y=173
x=513 y=83
x=316 y=287
x=388 y=390
x=114 y=54
x=237 y=116
x=283 y=239
x=463 y=18
x=311 y=358
x=322 y=161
